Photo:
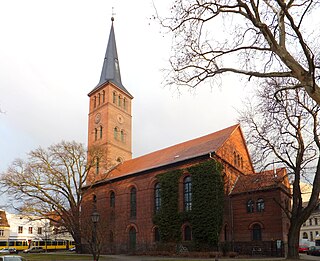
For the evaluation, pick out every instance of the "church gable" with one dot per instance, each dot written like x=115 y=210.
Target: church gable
x=235 y=152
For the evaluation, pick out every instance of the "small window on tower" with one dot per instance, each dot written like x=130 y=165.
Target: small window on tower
x=119 y=101
x=94 y=101
x=95 y=134
x=99 y=99
x=122 y=135
x=125 y=103
x=115 y=133
x=103 y=96
x=100 y=132
x=114 y=97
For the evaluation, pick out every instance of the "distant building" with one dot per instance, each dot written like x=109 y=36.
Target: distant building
x=127 y=193
x=25 y=228
x=311 y=228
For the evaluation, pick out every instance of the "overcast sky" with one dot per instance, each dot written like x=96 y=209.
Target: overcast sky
x=51 y=55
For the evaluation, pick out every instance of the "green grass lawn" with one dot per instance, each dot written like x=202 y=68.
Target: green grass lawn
x=60 y=257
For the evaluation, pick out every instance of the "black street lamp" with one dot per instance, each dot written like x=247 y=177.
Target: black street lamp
x=95 y=216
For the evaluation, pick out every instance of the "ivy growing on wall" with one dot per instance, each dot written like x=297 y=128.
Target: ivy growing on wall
x=206 y=216
x=168 y=219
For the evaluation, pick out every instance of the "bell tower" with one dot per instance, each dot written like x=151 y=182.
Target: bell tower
x=110 y=127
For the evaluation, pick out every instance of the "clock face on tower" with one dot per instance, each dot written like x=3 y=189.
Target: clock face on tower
x=120 y=119
x=97 y=118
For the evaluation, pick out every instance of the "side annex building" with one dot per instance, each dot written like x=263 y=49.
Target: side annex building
x=214 y=198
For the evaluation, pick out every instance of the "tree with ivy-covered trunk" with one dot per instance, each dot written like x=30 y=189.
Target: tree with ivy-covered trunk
x=207 y=204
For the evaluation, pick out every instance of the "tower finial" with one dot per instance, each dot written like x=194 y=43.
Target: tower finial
x=113 y=14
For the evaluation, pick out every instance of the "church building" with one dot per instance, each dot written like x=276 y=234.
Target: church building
x=201 y=194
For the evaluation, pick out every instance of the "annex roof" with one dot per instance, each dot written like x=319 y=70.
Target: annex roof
x=111 y=69
x=261 y=181
x=177 y=153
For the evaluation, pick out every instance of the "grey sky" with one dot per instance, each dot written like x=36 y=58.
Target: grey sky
x=51 y=57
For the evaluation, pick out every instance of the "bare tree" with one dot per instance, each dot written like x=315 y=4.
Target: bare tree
x=49 y=184
x=283 y=129
x=256 y=39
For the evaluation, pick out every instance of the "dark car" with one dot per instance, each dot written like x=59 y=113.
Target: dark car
x=314 y=251
x=34 y=249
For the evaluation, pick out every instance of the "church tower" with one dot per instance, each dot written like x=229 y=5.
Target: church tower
x=110 y=125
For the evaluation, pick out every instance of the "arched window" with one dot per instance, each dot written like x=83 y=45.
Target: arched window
x=125 y=103
x=94 y=198
x=114 y=97
x=103 y=96
x=256 y=232
x=97 y=165
x=112 y=199
x=260 y=205
x=133 y=203
x=305 y=235
x=187 y=195
x=99 y=98
x=119 y=101
x=115 y=133
x=157 y=197
x=111 y=236
x=156 y=234
x=94 y=101
x=132 y=238
x=250 y=206
x=238 y=160
x=234 y=158
x=95 y=134
x=187 y=233
x=241 y=162
x=100 y=132
x=122 y=135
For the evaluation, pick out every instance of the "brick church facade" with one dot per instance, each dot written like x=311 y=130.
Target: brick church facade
x=126 y=191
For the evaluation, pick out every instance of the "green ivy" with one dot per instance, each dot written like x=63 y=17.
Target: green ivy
x=207 y=205
x=206 y=216
x=168 y=219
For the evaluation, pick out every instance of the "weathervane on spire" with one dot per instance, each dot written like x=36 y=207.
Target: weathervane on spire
x=112 y=14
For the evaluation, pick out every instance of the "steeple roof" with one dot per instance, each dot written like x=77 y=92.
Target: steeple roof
x=111 y=69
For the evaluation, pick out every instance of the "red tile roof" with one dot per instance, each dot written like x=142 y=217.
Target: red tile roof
x=261 y=181
x=180 y=152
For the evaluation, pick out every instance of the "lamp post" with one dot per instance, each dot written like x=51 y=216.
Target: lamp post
x=95 y=216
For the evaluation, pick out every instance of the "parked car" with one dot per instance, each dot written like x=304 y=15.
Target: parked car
x=34 y=249
x=8 y=251
x=72 y=249
x=303 y=248
x=12 y=258
x=314 y=251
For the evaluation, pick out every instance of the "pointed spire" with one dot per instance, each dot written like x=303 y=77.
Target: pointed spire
x=111 y=69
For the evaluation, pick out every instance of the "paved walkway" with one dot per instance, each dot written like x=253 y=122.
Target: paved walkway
x=154 y=258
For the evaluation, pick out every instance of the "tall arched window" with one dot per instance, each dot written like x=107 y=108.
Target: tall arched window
x=187 y=195
x=234 y=158
x=114 y=97
x=256 y=232
x=103 y=96
x=100 y=132
x=94 y=101
x=119 y=101
x=132 y=238
x=157 y=197
x=115 y=133
x=305 y=235
x=260 y=205
x=112 y=199
x=250 y=206
x=99 y=98
x=122 y=135
x=187 y=233
x=97 y=165
x=95 y=134
x=133 y=203
x=238 y=160
x=125 y=103
x=156 y=234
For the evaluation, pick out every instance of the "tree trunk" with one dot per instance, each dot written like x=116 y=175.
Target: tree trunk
x=293 y=241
